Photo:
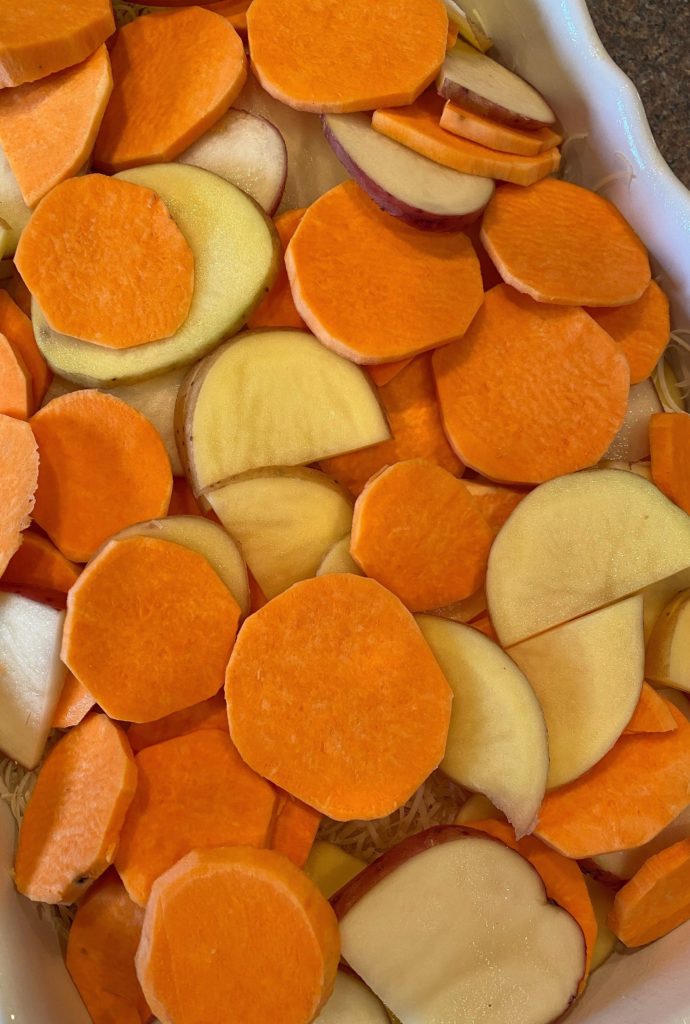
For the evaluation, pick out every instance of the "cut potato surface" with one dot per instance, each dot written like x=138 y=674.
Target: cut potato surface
x=207 y=714
x=255 y=916
x=631 y=443
x=642 y=330
x=208 y=539
x=200 y=783
x=330 y=867
x=235 y=260
x=313 y=56
x=38 y=563
x=497 y=742
x=72 y=822
x=452 y=919
x=246 y=150
x=339 y=559
x=107 y=641
x=236 y=412
x=668 y=649
x=160 y=104
x=460 y=120
x=578 y=543
x=568 y=383
x=490 y=89
x=102 y=467
x=65 y=256
x=352 y=1003
x=374 y=289
x=624 y=864
x=19 y=475
x=47 y=128
x=284 y=521
x=403 y=183
x=13 y=210
x=659 y=595
x=656 y=900
x=669 y=438
x=595 y=257
x=371 y=724
x=38 y=39
x=31 y=675
x=602 y=901
x=278 y=307
x=154 y=398
x=587 y=675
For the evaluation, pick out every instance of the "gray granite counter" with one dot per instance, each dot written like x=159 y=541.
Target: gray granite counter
x=650 y=40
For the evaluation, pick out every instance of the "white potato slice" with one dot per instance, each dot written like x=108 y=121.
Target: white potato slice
x=284 y=521
x=497 y=743
x=477 y=807
x=13 y=210
x=352 y=1003
x=339 y=559
x=588 y=676
x=631 y=443
x=454 y=926
x=668 y=650
x=31 y=675
x=489 y=89
x=659 y=595
x=330 y=867
x=469 y=26
x=602 y=897
x=208 y=539
x=246 y=150
x=577 y=543
x=236 y=254
x=154 y=398
x=273 y=398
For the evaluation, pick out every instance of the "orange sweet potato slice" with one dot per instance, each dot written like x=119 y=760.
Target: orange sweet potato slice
x=40 y=37
x=103 y=466
x=565 y=394
x=39 y=564
x=16 y=326
x=417 y=127
x=302 y=60
x=207 y=714
x=72 y=823
x=294 y=829
x=642 y=330
x=562 y=878
x=107 y=262
x=19 y=475
x=16 y=397
x=383 y=373
x=375 y=289
x=418 y=531
x=468 y=125
x=649 y=772
x=652 y=714
x=669 y=440
x=656 y=899
x=107 y=639
x=495 y=501
x=100 y=953
x=278 y=308
x=74 y=704
x=48 y=128
x=200 y=783
x=409 y=400
x=561 y=243
x=367 y=665
x=161 y=102
x=256 y=917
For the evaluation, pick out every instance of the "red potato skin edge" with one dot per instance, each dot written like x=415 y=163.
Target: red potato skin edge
x=279 y=194
x=411 y=215
x=450 y=90
x=350 y=894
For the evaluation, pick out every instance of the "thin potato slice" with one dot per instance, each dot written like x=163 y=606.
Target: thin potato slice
x=668 y=650
x=273 y=398
x=284 y=520
x=235 y=251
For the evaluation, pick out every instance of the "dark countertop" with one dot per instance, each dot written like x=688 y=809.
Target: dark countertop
x=650 y=40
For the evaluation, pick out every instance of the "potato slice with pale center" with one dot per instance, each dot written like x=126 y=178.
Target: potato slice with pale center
x=208 y=539
x=273 y=398
x=13 y=210
x=236 y=253
x=668 y=650
x=497 y=743
x=451 y=925
x=588 y=676
x=154 y=398
x=31 y=675
x=339 y=559
x=352 y=1003
x=284 y=521
x=580 y=542
x=659 y=595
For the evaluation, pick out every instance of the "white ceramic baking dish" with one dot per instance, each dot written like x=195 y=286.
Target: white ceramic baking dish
x=554 y=45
